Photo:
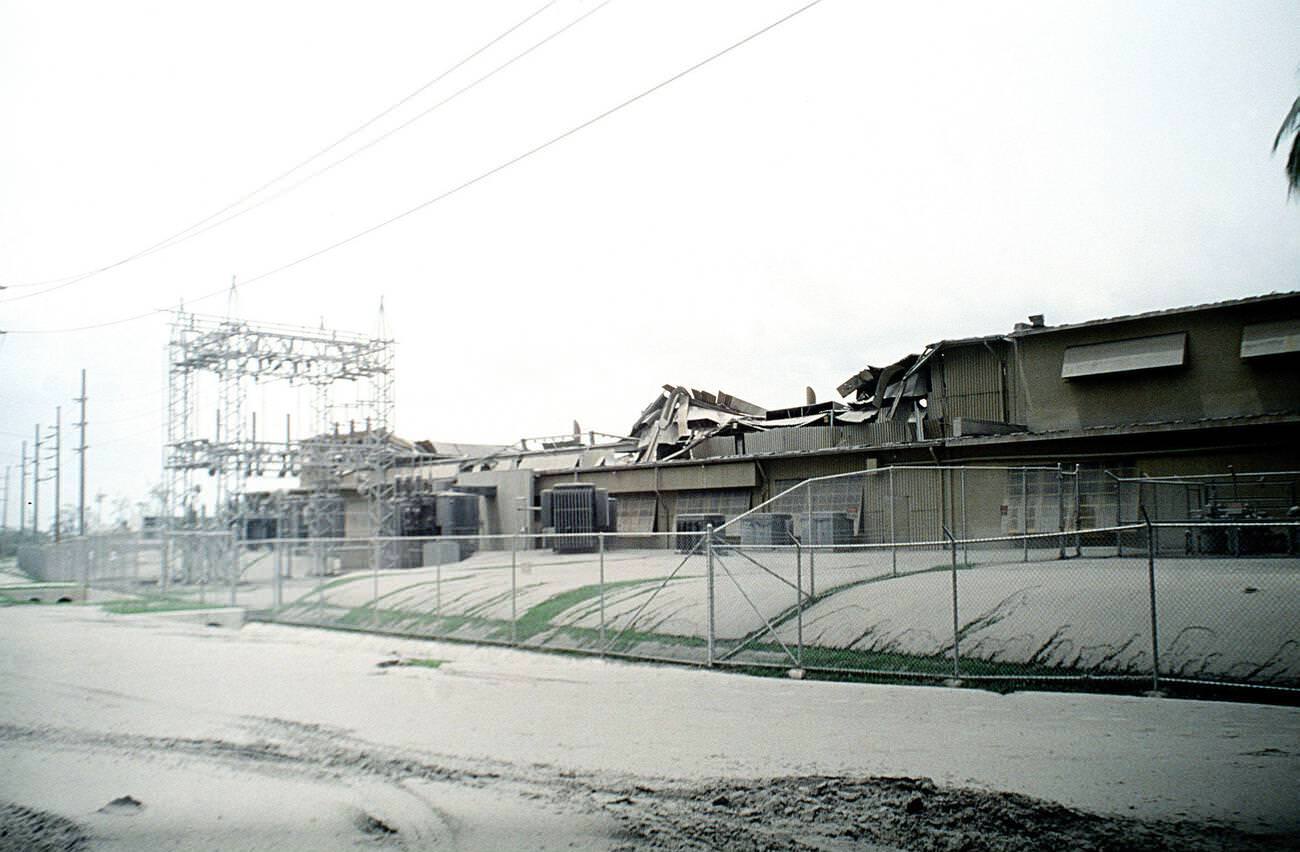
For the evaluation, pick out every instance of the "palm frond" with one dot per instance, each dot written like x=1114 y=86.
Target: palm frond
x=1293 y=167
x=1290 y=125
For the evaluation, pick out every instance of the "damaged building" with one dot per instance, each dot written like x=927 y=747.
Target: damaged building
x=1187 y=391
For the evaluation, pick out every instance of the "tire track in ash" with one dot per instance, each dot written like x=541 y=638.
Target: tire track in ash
x=801 y=813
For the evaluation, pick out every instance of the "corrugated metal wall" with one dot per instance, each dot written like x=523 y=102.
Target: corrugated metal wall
x=712 y=448
x=920 y=505
x=973 y=384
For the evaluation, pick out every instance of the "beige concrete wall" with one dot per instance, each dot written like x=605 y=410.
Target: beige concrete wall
x=689 y=477
x=1213 y=382
x=505 y=513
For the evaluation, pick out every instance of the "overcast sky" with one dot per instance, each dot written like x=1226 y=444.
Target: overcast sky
x=860 y=180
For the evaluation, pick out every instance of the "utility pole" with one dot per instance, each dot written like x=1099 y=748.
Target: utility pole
x=58 y=471
x=4 y=512
x=81 y=459
x=22 y=494
x=36 y=484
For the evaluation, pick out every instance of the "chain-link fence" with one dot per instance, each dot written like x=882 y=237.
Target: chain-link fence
x=972 y=574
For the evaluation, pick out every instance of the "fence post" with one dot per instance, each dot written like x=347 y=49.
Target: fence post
x=234 y=566
x=1024 y=508
x=277 y=576
x=85 y=571
x=1151 y=589
x=1078 y=513
x=798 y=590
x=1060 y=508
x=204 y=544
x=965 y=525
x=893 y=549
x=1119 y=517
x=708 y=555
x=377 y=554
x=812 y=570
x=165 y=542
x=318 y=555
x=601 y=539
x=808 y=524
x=514 y=591
x=812 y=583
x=956 y=655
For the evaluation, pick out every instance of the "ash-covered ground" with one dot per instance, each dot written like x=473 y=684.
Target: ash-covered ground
x=143 y=732
x=544 y=807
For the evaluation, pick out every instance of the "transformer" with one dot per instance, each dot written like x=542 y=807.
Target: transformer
x=830 y=528
x=574 y=511
x=766 y=529
x=446 y=513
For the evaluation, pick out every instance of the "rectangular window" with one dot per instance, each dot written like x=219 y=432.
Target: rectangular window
x=636 y=512
x=842 y=494
x=1270 y=338
x=729 y=502
x=1125 y=356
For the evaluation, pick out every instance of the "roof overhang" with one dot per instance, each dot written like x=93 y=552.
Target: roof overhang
x=1270 y=338
x=1124 y=356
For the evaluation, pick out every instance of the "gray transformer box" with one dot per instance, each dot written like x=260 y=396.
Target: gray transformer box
x=691 y=528
x=574 y=512
x=830 y=528
x=458 y=515
x=766 y=529
x=443 y=552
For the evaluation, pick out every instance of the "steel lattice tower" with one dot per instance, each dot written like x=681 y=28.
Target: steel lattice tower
x=317 y=361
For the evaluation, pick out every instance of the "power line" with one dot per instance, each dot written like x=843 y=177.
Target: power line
x=578 y=128
x=385 y=135
x=129 y=418
x=184 y=234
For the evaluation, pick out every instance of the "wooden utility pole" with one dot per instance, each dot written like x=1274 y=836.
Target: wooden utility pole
x=81 y=460
x=22 y=494
x=58 y=471
x=36 y=483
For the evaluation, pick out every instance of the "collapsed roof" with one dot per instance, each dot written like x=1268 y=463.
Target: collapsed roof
x=895 y=392
x=679 y=418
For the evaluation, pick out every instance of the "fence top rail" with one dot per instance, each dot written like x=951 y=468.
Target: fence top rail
x=1010 y=538
x=475 y=537
x=194 y=533
x=697 y=536
x=1226 y=523
x=1240 y=475
x=877 y=471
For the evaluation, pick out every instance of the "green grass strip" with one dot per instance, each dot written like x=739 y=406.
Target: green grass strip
x=538 y=617
x=147 y=605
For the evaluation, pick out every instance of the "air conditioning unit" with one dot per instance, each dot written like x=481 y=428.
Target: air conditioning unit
x=766 y=529
x=691 y=528
x=830 y=528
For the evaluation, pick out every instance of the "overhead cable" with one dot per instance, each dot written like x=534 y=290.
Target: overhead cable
x=385 y=135
x=245 y=282
x=194 y=229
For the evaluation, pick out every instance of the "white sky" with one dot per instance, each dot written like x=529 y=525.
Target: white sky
x=861 y=180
